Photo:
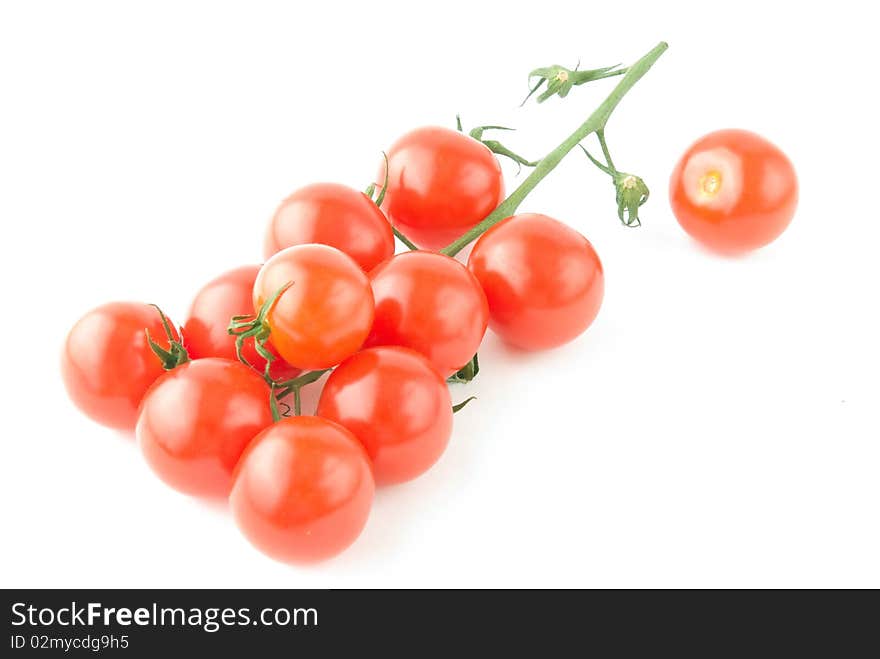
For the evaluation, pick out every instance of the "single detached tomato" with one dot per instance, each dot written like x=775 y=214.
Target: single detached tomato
x=196 y=420
x=107 y=364
x=303 y=490
x=543 y=280
x=733 y=191
x=440 y=184
x=205 y=330
x=335 y=215
x=325 y=314
x=430 y=303
x=397 y=405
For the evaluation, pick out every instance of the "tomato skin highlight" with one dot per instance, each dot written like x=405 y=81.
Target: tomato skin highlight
x=196 y=420
x=543 y=280
x=733 y=191
x=335 y=215
x=303 y=490
x=205 y=330
x=430 y=303
x=107 y=364
x=327 y=312
x=396 y=404
x=440 y=184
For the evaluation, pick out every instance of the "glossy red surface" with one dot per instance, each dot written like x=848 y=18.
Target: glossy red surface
x=303 y=490
x=196 y=420
x=107 y=364
x=440 y=184
x=397 y=405
x=335 y=215
x=734 y=191
x=326 y=313
x=430 y=303
x=543 y=280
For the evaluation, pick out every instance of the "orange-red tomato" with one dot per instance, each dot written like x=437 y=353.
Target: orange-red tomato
x=543 y=280
x=430 y=303
x=440 y=184
x=107 y=364
x=396 y=404
x=335 y=215
x=196 y=420
x=326 y=313
x=303 y=490
x=205 y=330
x=733 y=191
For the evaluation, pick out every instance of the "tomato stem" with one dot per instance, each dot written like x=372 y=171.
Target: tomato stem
x=402 y=238
x=630 y=190
x=595 y=122
x=371 y=190
x=176 y=353
x=497 y=147
x=273 y=404
x=601 y=135
x=288 y=387
x=250 y=326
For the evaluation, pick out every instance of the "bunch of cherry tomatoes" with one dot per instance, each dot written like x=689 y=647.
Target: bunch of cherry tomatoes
x=215 y=405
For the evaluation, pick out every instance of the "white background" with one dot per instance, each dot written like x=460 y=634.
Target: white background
x=717 y=426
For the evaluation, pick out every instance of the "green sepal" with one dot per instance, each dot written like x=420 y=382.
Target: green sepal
x=176 y=353
x=467 y=372
x=631 y=194
x=560 y=80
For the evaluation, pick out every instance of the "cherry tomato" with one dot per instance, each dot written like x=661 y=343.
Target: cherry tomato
x=326 y=313
x=430 y=303
x=335 y=215
x=205 y=330
x=733 y=191
x=440 y=184
x=107 y=364
x=543 y=280
x=396 y=404
x=303 y=490
x=196 y=420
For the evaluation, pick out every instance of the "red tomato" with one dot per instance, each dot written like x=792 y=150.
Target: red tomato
x=440 y=184
x=394 y=401
x=335 y=215
x=107 y=364
x=543 y=280
x=303 y=490
x=196 y=420
x=205 y=330
x=326 y=313
x=430 y=303
x=733 y=191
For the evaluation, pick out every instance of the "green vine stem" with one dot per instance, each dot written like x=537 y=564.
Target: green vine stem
x=406 y=241
x=595 y=122
x=371 y=190
x=287 y=387
x=497 y=147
